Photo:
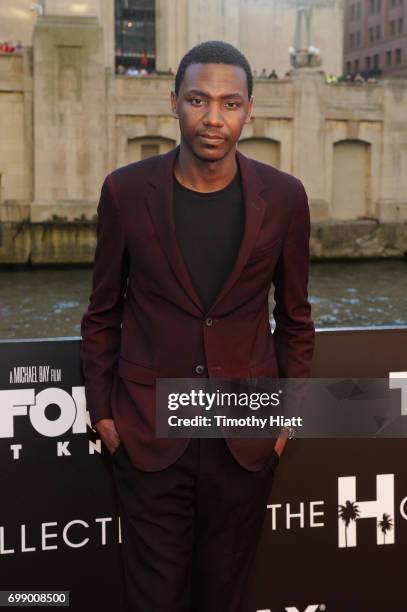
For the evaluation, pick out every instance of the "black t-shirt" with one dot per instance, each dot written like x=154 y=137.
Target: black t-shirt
x=209 y=229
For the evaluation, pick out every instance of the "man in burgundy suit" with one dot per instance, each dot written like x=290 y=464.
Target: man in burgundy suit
x=188 y=244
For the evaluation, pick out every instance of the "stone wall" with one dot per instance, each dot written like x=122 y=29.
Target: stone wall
x=66 y=120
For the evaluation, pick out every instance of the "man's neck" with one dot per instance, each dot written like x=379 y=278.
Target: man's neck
x=204 y=176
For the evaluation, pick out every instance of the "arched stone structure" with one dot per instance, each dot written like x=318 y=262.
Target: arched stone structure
x=351 y=176
x=265 y=150
x=141 y=148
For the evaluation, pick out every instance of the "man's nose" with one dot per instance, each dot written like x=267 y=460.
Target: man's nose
x=214 y=115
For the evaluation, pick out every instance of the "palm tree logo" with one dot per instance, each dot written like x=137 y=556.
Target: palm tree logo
x=348 y=512
x=385 y=525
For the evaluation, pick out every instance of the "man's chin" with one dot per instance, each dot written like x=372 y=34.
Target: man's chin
x=210 y=155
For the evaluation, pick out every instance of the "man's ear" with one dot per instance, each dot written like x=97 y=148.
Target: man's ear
x=249 y=111
x=174 y=104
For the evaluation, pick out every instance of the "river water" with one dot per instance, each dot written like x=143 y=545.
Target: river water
x=49 y=302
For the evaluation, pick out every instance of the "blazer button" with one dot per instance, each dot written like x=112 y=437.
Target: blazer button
x=200 y=369
x=208 y=322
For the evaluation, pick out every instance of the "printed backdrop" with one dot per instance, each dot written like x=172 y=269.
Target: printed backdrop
x=335 y=533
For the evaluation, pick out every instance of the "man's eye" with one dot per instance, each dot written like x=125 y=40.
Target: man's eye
x=197 y=101
x=232 y=105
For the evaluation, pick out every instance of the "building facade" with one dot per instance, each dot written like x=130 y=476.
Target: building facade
x=375 y=38
x=67 y=119
x=164 y=30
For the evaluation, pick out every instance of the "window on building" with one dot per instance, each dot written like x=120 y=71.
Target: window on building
x=392 y=3
x=376 y=61
x=392 y=27
x=388 y=58
x=135 y=34
x=351 y=40
x=371 y=34
x=367 y=63
x=378 y=6
x=358 y=39
x=358 y=10
x=398 y=56
x=352 y=12
x=400 y=25
x=357 y=65
x=378 y=33
x=371 y=6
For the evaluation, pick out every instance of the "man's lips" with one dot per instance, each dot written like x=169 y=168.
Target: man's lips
x=211 y=138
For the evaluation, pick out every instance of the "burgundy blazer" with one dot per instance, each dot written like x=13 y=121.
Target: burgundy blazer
x=145 y=319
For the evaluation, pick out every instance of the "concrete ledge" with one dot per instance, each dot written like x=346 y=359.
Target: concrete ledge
x=360 y=239
x=47 y=243
x=66 y=211
x=56 y=242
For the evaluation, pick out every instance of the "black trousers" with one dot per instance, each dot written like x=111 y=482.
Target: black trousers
x=190 y=531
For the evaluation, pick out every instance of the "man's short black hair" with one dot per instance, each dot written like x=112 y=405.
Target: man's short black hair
x=214 y=52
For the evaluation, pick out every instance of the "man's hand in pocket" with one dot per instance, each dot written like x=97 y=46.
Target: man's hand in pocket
x=108 y=434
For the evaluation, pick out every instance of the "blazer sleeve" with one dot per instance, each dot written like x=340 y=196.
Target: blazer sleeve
x=294 y=334
x=101 y=324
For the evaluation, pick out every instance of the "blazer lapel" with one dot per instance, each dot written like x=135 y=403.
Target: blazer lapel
x=161 y=207
x=254 y=212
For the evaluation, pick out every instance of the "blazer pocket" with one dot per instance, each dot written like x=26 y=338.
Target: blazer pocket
x=136 y=372
x=265 y=369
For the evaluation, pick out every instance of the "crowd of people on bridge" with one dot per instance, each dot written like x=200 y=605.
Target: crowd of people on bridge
x=143 y=70
x=355 y=79
x=8 y=47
